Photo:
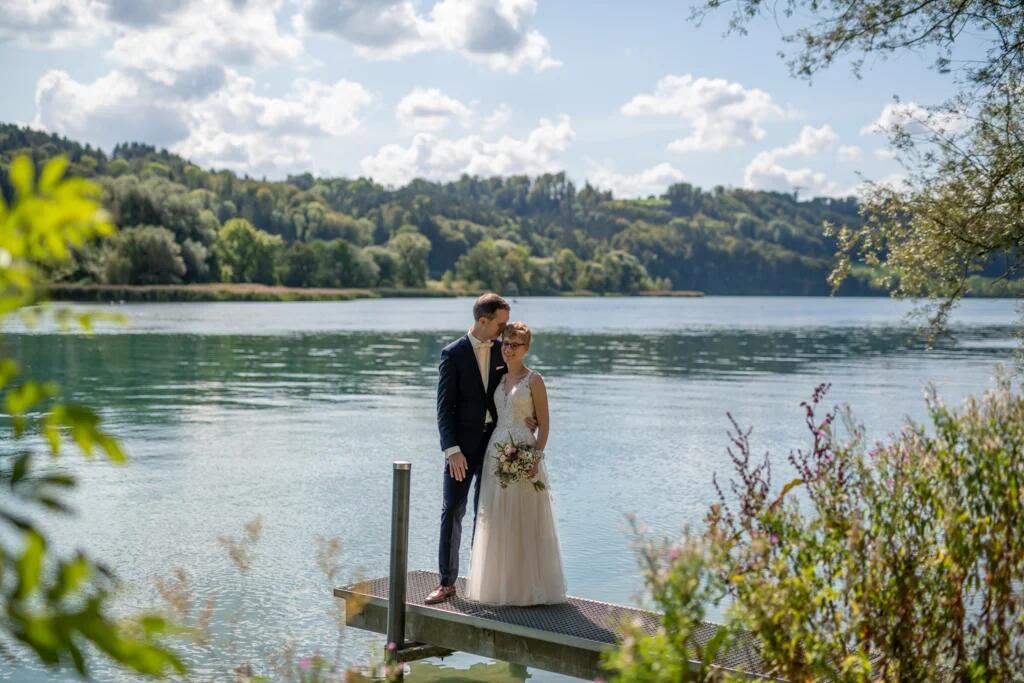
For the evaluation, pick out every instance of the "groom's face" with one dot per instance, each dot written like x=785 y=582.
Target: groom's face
x=493 y=327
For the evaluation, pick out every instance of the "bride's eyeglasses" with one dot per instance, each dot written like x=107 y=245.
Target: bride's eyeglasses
x=515 y=346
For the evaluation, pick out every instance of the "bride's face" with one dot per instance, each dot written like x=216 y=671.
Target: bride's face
x=514 y=348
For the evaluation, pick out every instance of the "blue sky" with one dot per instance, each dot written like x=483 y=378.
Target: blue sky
x=631 y=96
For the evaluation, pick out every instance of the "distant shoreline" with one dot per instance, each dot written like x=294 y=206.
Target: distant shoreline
x=256 y=292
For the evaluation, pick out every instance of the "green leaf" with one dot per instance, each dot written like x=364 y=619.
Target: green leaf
x=21 y=468
x=21 y=176
x=30 y=394
x=52 y=173
x=30 y=565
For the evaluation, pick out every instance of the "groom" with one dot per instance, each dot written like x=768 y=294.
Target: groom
x=470 y=369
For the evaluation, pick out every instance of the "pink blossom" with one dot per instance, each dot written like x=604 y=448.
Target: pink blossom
x=305 y=663
x=391 y=647
x=673 y=554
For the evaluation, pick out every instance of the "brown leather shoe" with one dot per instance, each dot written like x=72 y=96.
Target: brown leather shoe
x=440 y=594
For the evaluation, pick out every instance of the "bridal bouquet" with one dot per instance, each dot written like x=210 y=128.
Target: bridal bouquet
x=515 y=460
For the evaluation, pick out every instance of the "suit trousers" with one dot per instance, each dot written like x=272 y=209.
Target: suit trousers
x=453 y=509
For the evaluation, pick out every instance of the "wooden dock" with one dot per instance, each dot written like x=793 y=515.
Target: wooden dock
x=565 y=639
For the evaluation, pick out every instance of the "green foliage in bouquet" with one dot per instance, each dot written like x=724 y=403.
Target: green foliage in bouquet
x=53 y=607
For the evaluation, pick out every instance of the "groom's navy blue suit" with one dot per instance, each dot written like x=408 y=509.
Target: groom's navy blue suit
x=463 y=403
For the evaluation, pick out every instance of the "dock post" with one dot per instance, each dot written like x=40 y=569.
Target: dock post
x=402 y=475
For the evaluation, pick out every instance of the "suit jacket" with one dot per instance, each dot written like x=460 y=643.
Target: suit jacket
x=462 y=399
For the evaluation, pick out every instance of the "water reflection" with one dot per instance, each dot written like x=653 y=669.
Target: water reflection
x=225 y=421
x=157 y=373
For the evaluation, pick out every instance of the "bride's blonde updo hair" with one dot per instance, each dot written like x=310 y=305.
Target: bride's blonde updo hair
x=519 y=330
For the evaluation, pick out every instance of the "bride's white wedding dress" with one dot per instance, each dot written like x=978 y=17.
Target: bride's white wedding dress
x=516 y=558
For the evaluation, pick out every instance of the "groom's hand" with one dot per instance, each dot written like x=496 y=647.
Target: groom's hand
x=531 y=423
x=457 y=466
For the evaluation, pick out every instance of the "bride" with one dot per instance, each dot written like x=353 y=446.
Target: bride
x=516 y=558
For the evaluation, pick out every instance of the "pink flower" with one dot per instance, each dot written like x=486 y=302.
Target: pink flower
x=304 y=664
x=509 y=450
x=391 y=647
x=502 y=457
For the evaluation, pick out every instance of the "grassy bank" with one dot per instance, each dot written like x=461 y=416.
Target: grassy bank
x=254 y=292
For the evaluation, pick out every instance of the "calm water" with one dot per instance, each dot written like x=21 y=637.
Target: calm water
x=294 y=411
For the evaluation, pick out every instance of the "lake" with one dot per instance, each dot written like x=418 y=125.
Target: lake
x=293 y=413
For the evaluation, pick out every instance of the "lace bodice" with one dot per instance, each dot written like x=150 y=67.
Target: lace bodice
x=513 y=407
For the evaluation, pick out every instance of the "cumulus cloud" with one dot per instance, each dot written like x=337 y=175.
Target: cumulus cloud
x=437 y=158
x=914 y=119
x=722 y=114
x=849 y=153
x=111 y=109
x=51 y=23
x=239 y=129
x=650 y=181
x=764 y=172
x=234 y=127
x=810 y=142
x=208 y=35
x=496 y=33
x=497 y=119
x=429 y=109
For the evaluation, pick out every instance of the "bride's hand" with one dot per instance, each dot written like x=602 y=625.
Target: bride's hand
x=531 y=423
x=534 y=471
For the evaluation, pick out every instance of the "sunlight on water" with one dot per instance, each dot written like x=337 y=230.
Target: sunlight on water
x=294 y=412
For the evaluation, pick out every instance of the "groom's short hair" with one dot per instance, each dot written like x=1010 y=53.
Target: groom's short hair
x=488 y=304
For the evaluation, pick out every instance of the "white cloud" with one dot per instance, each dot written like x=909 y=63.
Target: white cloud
x=812 y=141
x=849 y=153
x=111 y=109
x=914 y=119
x=51 y=23
x=239 y=129
x=650 y=181
x=429 y=109
x=497 y=119
x=381 y=29
x=722 y=114
x=234 y=127
x=211 y=34
x=183 y=45
x=885 y=153
x=764 y=172
x=436 y=158
x=496 y=33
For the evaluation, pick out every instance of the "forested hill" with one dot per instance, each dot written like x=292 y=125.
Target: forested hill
x=518 y=235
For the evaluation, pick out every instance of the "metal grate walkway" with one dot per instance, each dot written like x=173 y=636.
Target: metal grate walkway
x=565 y=638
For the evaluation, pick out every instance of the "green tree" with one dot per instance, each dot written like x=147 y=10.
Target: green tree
x=145 y=255
x=412 y=249
x=386 y=262
x=497 y=265
x=245 y=253
x=624 y=273
x=297 y=266
x=50 y=606
x=960 y=211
